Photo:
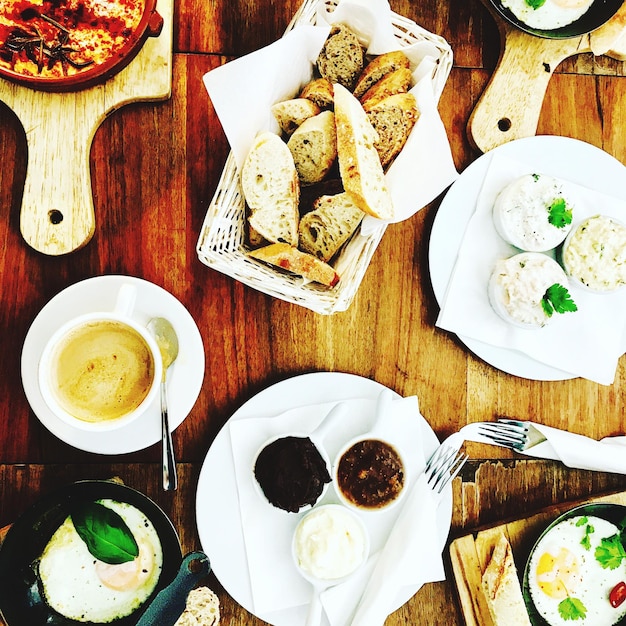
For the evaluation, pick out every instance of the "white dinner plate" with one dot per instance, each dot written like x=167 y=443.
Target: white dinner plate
x=561 y=157
x=217 y=503
x=184 y=378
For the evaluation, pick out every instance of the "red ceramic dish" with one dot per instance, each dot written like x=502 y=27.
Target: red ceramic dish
x=67 y=45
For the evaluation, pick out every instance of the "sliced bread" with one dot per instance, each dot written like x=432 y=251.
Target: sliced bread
x=341 y=58
x=397 y=81
x=202 y=609
x=329 y=225
x=270 y=185
x=361 y=172
x=297 y=262
x=393 y=119
x=501 y=587
x=319 y=91
x=377 y=68
x=314 y=147
x=292 y=113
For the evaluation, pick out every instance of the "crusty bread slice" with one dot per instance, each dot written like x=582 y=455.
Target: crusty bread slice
x=297 y=262
x=377 y=68
x=397 y=81
x=202 y=609
x=329 y=225
x=271 y=188
x=359 y=164
x=292 y=113
x=341 y=58
x=314 y=147
x=393 y=119
x=502 y=588
x=320 y=91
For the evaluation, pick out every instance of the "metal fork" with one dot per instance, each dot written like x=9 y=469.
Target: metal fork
x=513 y=434
x=443 y=466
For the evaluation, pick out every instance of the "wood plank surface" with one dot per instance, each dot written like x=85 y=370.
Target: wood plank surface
x=154 y=167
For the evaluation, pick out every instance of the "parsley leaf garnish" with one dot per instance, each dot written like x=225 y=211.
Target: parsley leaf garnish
x=559 y=214
x=572 y=608
x=610 y=552
x=557 y=299
x=585 y=542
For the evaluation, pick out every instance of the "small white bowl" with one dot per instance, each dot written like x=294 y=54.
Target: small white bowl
x=522 y=209
x=517 y=286
x=594 y=254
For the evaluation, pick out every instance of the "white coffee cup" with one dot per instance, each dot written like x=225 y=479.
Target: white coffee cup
x=102 y=370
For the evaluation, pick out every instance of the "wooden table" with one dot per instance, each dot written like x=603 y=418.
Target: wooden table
x=155 y=167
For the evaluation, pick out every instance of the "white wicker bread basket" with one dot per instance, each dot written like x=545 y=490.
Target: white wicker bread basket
x=221 y=244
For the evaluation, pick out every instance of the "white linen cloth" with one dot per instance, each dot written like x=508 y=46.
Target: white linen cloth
x=577 y=451
x=587 y=343
x=244 y=90
x=276 y=584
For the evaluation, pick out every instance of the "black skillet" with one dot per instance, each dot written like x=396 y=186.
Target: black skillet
x=21 y=603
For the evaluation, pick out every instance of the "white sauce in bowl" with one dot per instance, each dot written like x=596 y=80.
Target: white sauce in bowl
x=550 y=15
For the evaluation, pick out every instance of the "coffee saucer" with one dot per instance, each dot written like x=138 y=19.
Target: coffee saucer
x=185 y=376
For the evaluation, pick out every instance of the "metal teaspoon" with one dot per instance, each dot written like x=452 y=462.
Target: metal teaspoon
x=167 y=340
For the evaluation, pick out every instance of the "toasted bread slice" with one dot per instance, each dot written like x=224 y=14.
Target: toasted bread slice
x=361 y=172
x=377 y=68
x=319 y=91
x=393 y=119
x=329 y=225
x=297 y=262
x=290 y=114
x=271 y=188
x=341 y=58
x=202 y=607
x=397 y=81
x=502 y=588
x=314 y=147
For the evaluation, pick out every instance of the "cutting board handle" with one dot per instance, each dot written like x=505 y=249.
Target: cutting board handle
x=57 y=214
x=510 y=106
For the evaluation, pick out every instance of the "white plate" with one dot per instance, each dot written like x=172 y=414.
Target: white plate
x=562 y=157
x=184 y=378
x=217 y=503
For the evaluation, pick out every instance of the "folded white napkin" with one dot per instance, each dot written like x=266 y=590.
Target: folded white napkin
x=268 y=531
x=577 y=451
x=587 y=343
x=244 y=90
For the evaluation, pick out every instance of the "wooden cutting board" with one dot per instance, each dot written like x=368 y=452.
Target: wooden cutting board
x=57 y=212
x=471 y=553
x=510 y=106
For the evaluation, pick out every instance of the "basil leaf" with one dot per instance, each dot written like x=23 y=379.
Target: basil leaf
x=107 y=536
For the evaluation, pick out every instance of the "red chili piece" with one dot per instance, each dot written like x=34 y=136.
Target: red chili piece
x=618 y=594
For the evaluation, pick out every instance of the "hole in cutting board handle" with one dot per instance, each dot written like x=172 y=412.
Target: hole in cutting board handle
x=504 y=124
x=55 y=216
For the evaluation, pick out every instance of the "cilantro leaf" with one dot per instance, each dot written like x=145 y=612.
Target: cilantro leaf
x=572 y=609
x=557 y=299
x=559 y=214
x=585 y=542
x=610 y=553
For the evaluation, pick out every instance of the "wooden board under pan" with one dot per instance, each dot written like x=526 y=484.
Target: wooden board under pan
x=57 y=212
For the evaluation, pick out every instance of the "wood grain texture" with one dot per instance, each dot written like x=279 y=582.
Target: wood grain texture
x=154 y=167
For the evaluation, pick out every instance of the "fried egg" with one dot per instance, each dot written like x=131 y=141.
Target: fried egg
x=563 y=567
x=82 y=588
x=550 y=15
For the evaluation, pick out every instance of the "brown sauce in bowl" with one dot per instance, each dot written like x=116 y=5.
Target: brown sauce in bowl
x=291 y=473
x=370 y=474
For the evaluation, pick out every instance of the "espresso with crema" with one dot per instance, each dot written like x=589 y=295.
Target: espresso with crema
x=101 y=371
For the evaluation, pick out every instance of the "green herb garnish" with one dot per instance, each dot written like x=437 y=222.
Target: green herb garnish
x=585 y=542
x=610 y=553
x=107 y=536
x=559 y=214
x=557 y=299
x=572 y=609
x=535 y=4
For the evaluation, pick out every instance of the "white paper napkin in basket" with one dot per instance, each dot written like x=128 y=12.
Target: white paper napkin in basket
x=244 y=90
x=578 y=451
x=275 y=582
x=587 y=343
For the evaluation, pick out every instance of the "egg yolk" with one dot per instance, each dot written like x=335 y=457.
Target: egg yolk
x=572 y=4
x=558 y=575
x=130 y=575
